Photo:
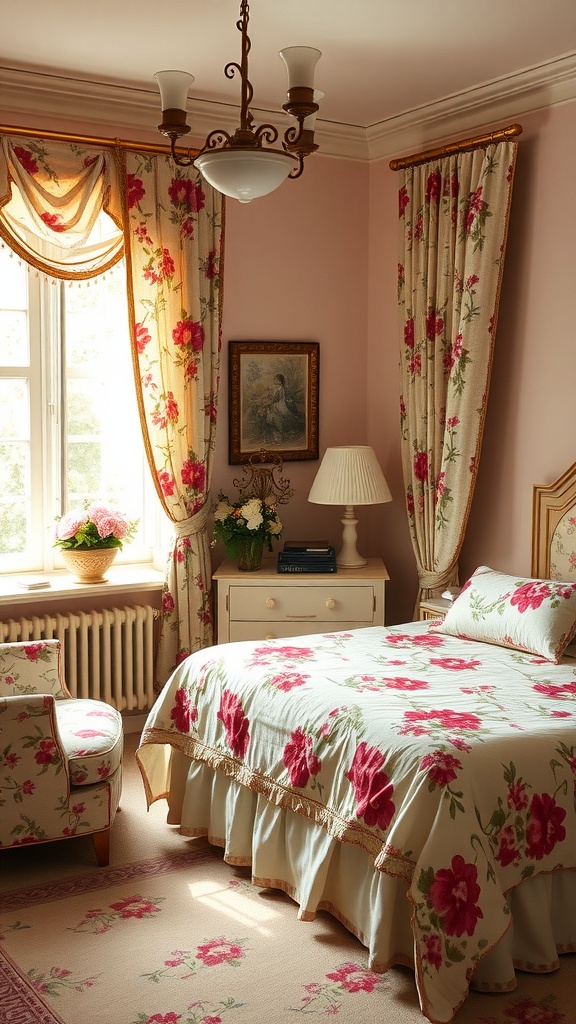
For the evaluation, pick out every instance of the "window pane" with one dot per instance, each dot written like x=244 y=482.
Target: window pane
x=86 y=406
x=15 y=504
x=14 y=409
x=69 y=425
x=14 y=338
x=13 y=282
x=14 y=496
x=13 y=311
x=105 y=455
x=84 y=471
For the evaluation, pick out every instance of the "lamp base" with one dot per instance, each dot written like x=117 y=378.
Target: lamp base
x=348 y=557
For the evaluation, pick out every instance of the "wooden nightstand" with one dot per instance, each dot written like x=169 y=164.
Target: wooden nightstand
x=434 y=608
x=266 y=604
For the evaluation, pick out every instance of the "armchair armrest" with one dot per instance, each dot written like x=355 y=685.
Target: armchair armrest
x=34 y=775
x=32 y=666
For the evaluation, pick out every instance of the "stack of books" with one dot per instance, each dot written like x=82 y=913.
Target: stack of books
x=307 y=556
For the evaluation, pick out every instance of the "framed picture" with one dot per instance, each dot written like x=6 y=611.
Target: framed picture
x=273 y=399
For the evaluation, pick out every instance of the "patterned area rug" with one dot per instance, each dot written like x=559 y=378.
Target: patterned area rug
x=187 y=939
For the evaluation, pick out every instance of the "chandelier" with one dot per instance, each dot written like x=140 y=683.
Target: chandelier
x=245 y=165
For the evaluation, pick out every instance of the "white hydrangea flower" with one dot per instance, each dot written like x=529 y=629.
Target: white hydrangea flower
x=275 y=527
x=255 y=521
x=252 y=508
x=222 y=511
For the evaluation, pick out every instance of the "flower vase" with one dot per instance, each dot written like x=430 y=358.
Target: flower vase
x=250 y=553
x=89 y=566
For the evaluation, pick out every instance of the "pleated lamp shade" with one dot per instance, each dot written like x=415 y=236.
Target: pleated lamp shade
x=349 y=476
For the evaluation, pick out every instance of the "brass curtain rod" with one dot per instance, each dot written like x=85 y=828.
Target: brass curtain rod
x=88 y=140
x=457 y=147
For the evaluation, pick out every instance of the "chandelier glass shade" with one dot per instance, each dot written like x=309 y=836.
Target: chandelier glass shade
x=246 y=165
x=245 y=174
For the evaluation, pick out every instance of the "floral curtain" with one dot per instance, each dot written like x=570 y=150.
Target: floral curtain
x=173 y=247
x=169 y=227
x=453 y=227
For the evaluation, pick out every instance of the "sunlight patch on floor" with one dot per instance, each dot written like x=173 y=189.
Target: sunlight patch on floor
x=246 y=910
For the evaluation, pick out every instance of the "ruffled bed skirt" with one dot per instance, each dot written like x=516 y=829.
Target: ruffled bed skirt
x=291 y=853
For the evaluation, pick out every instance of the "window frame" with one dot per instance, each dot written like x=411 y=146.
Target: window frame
x=46 y=384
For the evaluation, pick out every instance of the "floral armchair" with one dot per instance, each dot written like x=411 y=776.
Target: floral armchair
x=60 y=758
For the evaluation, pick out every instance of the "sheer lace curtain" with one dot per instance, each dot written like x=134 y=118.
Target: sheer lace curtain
x=453 y=227
x=169 y=227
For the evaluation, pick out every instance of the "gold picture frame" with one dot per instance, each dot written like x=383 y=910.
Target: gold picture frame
x=273 y=399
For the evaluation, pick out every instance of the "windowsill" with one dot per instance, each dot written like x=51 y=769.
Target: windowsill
x=122 y=579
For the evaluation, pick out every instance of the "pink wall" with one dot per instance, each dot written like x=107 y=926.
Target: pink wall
x=296 y=269
x=530 y=433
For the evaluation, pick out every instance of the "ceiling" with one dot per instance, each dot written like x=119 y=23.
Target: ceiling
x=381 y=58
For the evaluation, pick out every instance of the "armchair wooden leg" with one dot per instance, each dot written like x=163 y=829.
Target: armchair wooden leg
x=101 y=842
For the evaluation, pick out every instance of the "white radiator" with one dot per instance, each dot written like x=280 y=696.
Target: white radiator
x=108 y=654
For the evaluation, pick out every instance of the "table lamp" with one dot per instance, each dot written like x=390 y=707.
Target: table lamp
x=349 y=476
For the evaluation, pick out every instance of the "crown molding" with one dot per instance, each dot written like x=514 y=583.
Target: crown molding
x=32 y=99
x=502 y=99
x=41 y=100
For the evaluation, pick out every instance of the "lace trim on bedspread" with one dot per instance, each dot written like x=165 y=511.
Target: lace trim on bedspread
x=385 y=858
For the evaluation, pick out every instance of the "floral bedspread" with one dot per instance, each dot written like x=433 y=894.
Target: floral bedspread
x=452 y=763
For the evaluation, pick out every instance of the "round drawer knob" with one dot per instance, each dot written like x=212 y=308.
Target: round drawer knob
x=331 y=603
x=269 y=636
x=270 y=602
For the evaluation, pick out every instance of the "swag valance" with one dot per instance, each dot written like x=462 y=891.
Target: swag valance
x=51 y=198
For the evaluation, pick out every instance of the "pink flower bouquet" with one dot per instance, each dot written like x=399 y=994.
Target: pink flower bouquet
x=98 y=526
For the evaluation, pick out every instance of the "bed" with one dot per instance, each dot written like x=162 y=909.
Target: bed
x=417 y=781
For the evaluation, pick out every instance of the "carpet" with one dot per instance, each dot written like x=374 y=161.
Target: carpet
x=187 y=939
x=170 y=934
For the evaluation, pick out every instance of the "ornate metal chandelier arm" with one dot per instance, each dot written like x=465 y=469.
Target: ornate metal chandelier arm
x=297 y=136
x=299 y=139
x=299 y=143
x=182 y=161
x=219 y=137
x=297 y=170
x=266 y=133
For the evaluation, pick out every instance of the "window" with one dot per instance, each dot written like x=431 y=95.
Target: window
x=69 y=425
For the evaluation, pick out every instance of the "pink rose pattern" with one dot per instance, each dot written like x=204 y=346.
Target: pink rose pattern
x=412 y=723
x=231 y=713
x=300 y=760
x=180 y=330
x=443 y=324
x=102 y=919
x=373 y=789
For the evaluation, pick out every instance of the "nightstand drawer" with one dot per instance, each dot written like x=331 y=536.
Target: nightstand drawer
x=302 y=604
x=277 y=630
x=267 y=604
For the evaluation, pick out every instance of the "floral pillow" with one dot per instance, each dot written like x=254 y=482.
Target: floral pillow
x=536 y=616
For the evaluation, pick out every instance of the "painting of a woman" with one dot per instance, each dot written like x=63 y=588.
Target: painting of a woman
x=286 y=421
x=273 y=399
